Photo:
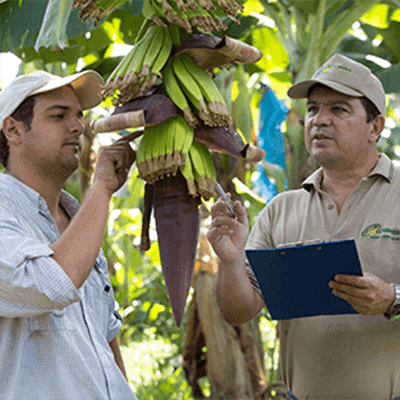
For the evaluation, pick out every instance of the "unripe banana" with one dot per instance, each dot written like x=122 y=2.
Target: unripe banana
x=176 y=94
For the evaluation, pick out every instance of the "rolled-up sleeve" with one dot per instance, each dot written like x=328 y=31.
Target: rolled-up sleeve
x=31 y=281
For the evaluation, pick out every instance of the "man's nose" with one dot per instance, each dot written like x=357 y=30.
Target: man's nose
x=322 y=118
x=77 y=127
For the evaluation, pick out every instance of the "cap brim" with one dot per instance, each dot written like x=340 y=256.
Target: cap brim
x=87 y=86
x=300 y=90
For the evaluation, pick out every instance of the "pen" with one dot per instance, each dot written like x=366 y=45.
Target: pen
x=225 y=197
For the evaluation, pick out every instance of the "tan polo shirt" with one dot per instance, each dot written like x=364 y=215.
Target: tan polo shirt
x=342 y=357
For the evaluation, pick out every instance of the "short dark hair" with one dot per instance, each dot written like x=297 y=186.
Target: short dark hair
x=24 y=113
x=370 y=108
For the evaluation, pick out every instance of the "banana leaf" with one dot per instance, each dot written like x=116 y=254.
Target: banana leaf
x=210 y=51
x=226 y=140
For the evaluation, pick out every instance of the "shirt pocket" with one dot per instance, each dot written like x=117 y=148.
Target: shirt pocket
x=53 y=321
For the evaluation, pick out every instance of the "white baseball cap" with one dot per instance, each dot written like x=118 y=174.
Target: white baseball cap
x=87 y=86
x=346 y=76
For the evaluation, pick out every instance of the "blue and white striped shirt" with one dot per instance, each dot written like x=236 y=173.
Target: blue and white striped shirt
x=54 y=338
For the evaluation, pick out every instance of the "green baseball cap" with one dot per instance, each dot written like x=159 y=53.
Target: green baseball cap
x=346 y=76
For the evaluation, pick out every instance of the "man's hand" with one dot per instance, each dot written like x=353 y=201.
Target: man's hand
x=368 y=294
x=113 y=164
x=228 y=235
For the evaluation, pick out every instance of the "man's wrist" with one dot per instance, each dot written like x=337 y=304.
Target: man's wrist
x=101 y=190
x=393 y=312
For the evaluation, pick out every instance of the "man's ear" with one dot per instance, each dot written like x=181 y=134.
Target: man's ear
x=377 y=126
x=12 y=130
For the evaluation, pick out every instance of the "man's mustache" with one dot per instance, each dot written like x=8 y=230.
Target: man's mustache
x=321 y=133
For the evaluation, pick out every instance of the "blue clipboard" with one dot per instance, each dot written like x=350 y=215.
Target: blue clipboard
x=294 y=280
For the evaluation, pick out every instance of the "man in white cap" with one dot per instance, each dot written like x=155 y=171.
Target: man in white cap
x=353 y=195
x=58 y=322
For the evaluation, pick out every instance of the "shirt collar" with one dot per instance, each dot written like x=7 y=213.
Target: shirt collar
x=384 y=168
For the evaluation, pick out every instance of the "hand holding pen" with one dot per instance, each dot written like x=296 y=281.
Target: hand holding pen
x=226 y=198
x=229 y=228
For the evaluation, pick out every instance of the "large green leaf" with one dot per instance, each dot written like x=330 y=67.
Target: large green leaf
x=391 y=39
x=129 y=24
x=20 y=22
x=241 y=97
x=53 y=32
x=390 y=78
x=340 y=25
x=82 y=45
x=307 y=6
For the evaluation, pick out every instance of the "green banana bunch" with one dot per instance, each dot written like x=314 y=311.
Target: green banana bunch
x=139 y=69
x=96 y=9
x=163 y=149
x=177 y=96
x=184 y=78
x=201 y=14
x=201 y=170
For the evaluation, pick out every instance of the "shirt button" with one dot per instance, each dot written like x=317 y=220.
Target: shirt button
x=330 y=206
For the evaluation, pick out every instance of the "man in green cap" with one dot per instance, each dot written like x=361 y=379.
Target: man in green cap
x=354 y=194
x=58 y=322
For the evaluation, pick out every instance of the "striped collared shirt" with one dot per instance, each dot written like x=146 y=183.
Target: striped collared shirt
x=54 y=338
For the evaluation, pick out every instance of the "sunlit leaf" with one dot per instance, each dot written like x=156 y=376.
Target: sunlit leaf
x=280 y=83
x=396 y=15
x=234 y=91
x=377 y=16
x=251 y=6
x=156 y=309
x=275 y=58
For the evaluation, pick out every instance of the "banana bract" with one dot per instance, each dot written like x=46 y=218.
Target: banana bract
x=177 y=222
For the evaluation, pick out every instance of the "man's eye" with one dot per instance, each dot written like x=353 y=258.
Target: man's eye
x=339 y=109
x=58 y=116
x=311 y=109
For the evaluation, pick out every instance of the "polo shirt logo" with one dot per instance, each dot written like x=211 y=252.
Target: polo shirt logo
x=375 y=231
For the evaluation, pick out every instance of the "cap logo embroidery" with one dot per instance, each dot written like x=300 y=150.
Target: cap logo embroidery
x=326 y=68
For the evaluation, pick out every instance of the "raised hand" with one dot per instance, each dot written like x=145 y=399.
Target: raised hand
x=228 y=235
x=113 y=164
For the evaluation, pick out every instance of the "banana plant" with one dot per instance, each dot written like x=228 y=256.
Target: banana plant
x=166 y=65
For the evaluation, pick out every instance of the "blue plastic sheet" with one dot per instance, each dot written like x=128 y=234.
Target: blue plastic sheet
x=272 y=113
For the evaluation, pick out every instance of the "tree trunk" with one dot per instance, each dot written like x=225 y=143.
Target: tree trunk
x=231 y=357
